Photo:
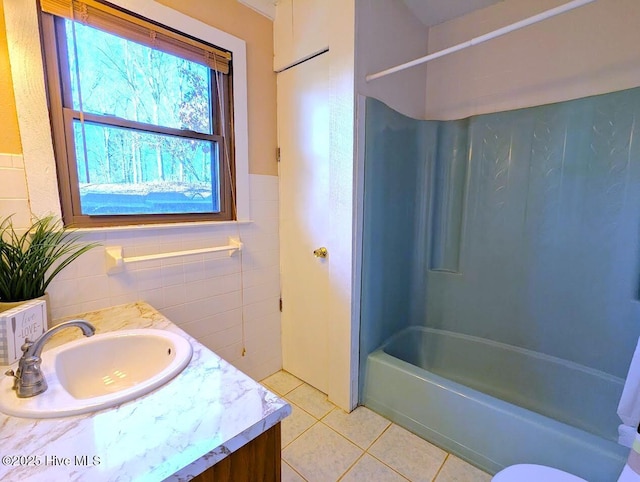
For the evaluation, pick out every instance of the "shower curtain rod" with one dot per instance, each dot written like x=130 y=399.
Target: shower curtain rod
x=482 y=38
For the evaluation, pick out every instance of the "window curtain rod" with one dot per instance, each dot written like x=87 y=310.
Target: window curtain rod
x=482 y=38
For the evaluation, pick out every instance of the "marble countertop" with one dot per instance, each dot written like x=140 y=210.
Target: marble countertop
x=173 y=433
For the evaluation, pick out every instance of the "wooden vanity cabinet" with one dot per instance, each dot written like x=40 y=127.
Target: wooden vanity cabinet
x=257 y=461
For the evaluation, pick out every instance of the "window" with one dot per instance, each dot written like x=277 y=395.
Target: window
x=141 y=118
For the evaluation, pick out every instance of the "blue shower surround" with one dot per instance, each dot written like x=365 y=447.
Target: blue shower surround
x=518 y=227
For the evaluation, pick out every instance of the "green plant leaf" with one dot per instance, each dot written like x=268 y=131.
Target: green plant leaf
x=30 y=261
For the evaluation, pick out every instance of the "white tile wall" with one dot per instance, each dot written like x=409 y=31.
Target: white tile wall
x=225 y=302
x=14 y=197
x=214 y=297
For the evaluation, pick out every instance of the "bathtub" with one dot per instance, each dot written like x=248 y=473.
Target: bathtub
x=488 y=402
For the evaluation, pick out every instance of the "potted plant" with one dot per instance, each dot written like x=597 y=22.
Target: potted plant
x=31 y=260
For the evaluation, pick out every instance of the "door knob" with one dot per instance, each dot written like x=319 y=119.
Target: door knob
x=321 y=252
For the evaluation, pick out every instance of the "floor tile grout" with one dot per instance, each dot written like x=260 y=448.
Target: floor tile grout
x=381 y=461
x=351 y=466
x=316 y=419
x=278 y=393
x=386 y=465
x=330 y=411
x=381 y=434
x=339 y=422
x=273 y=389
x=299 y=435
x=341 y=435
x=364 y=452
x=306 y=411
x=298 y=473
x=435 y=477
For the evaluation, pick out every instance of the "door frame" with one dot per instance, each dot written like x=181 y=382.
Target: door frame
x=345 y=207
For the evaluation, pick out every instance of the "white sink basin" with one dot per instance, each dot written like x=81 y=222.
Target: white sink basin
x=100 y=371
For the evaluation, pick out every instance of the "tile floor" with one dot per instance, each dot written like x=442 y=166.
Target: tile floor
x=321 y=443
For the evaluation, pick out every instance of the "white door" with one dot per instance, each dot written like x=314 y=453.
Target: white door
x=303 y=138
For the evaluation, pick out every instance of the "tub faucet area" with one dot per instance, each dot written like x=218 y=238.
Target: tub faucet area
x=28 y=380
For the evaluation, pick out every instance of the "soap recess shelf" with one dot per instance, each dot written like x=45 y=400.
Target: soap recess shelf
x=115 y=262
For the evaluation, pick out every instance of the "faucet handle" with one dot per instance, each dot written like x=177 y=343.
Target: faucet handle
x=11 y=373
x=26 y=345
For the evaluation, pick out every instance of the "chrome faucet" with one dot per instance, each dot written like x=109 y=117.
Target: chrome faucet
x=28 y=381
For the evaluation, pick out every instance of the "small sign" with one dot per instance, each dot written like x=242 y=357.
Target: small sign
x=28 y=320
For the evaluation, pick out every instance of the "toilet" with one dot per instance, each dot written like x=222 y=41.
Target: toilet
x=534 y=473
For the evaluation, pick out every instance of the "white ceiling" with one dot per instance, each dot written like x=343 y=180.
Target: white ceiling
x=433 y=12
x=264 y=7
x=429 y=12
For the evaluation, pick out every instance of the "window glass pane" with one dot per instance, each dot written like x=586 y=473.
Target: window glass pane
x=126 y=171
x=125 y=79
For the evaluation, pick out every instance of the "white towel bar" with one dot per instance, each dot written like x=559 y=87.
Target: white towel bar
x=114 y=261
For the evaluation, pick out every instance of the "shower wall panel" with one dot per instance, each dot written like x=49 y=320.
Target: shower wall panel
x=520 y=227
x=448 y=174
x=396 y=203
x=549 y=255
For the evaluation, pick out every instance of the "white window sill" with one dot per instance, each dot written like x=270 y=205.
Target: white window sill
x=145 y=227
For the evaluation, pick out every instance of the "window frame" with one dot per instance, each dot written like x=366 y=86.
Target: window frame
x=53 y=48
